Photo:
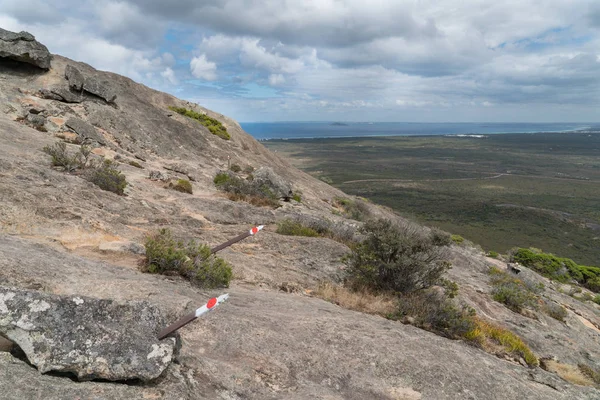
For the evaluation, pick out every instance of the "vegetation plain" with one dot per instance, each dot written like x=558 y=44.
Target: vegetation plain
x=537 y=190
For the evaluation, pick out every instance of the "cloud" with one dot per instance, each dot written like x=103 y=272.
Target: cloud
x=203 y=69
x=169 y=75
x=276 y=79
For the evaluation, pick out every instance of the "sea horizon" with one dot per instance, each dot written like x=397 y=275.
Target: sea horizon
x=339 y=129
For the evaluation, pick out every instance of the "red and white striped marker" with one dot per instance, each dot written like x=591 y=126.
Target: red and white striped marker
x=236 y=239
x=255 y=230
x=210 y=304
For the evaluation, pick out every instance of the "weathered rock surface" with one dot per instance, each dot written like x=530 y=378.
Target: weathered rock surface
x=84 y=130
x=91 y=338
x=266 y=176
x=74 y=77
x=66 y=95
x=100 y=89
x=23 y=47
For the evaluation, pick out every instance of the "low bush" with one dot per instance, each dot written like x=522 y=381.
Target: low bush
x=295 y=228
x=135 y=164
x=235 y=168
x=432 y=310
x=354 y=209
x=558 y=268
x=244 y=190
x=556 y=311
x=167 y=255
x=183 y=185
x=493 y=254
x=457 y=239
x=597 y=299
x=62 y=158
x=215 y=127
x=513 y=292
x=396 y=257
x=297 y=197
x=106 y=177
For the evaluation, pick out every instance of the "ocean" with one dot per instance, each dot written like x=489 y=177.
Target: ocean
x=311 y=130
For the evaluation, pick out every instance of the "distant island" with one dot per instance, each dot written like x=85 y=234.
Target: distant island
x=338 y=124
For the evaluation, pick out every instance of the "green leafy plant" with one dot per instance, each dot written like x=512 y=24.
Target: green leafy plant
x=457 y=239
x=107 y=177
x=167 y=255
x=396 y=257
x=295 y=228
x=215 y=127
x=245 y=190
x=62 y=158
x=235 y=168
x=493 y=254
x=513 y=292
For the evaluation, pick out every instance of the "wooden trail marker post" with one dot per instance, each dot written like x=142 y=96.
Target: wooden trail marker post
x=215 y=301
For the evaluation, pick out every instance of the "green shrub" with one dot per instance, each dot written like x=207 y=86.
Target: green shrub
x=295 y=228
x=249 y=169
x=433 y=311
x=440 y=238
x=558 y=268
x=135 y=164
x=355 y=209
x=397 y=258
x=61 y=158
x=235 y=168
x=513 y=292
x=457 y=239
x=183 y=185
x=450 y=287
x=215 y=127
x=240 y=189
x=493 y=254
x=166 y=255
x=107 y=177
x=556 y=311
x=297 y=197
x=597 y=299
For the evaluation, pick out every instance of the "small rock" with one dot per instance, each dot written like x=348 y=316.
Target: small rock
x=74 y=77
x=24 y=48
x=91 y=338
x=158 y=176
x=123 y=247
x=36 y=110
x=47 y=94
x=36 y=119
x=66 y=95
x=84 y=130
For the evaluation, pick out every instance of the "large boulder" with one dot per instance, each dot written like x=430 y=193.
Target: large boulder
x=91 y=338
x=265 y=176
x=100 y=89
x=74 y=77
x=23 y=47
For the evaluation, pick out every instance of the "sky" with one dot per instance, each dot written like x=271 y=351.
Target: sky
x=340 y=60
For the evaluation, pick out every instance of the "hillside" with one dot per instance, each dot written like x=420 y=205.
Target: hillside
x=274 y=338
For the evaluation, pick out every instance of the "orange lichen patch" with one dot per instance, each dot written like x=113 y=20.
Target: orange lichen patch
x=104 y=152
x=76 y=237
x=588 y=323
x=57 y=120
x=69 y=137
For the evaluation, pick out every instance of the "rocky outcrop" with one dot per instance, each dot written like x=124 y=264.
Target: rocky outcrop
x=94 y=86
x=265 y=176
x=74 y=77
x=91 y=338
x=24 y=48
x=84 y=130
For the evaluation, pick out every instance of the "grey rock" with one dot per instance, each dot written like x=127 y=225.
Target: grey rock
x=158 y=176
x=123 y=247
x=74 y=77
x=100 y=89
x=24 y=48
x=36 y=119
x=84 y=130
x=48 y=94
x=266 y=176
x=92 y=338
x=66 y=95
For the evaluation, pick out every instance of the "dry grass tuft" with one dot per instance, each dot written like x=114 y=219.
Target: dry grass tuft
x=569 y=373
x=360 y=300
x=494 y=339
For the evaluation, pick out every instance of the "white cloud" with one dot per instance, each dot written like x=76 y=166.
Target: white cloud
x=276 y=79
x=203 y=69
x=169 y=75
